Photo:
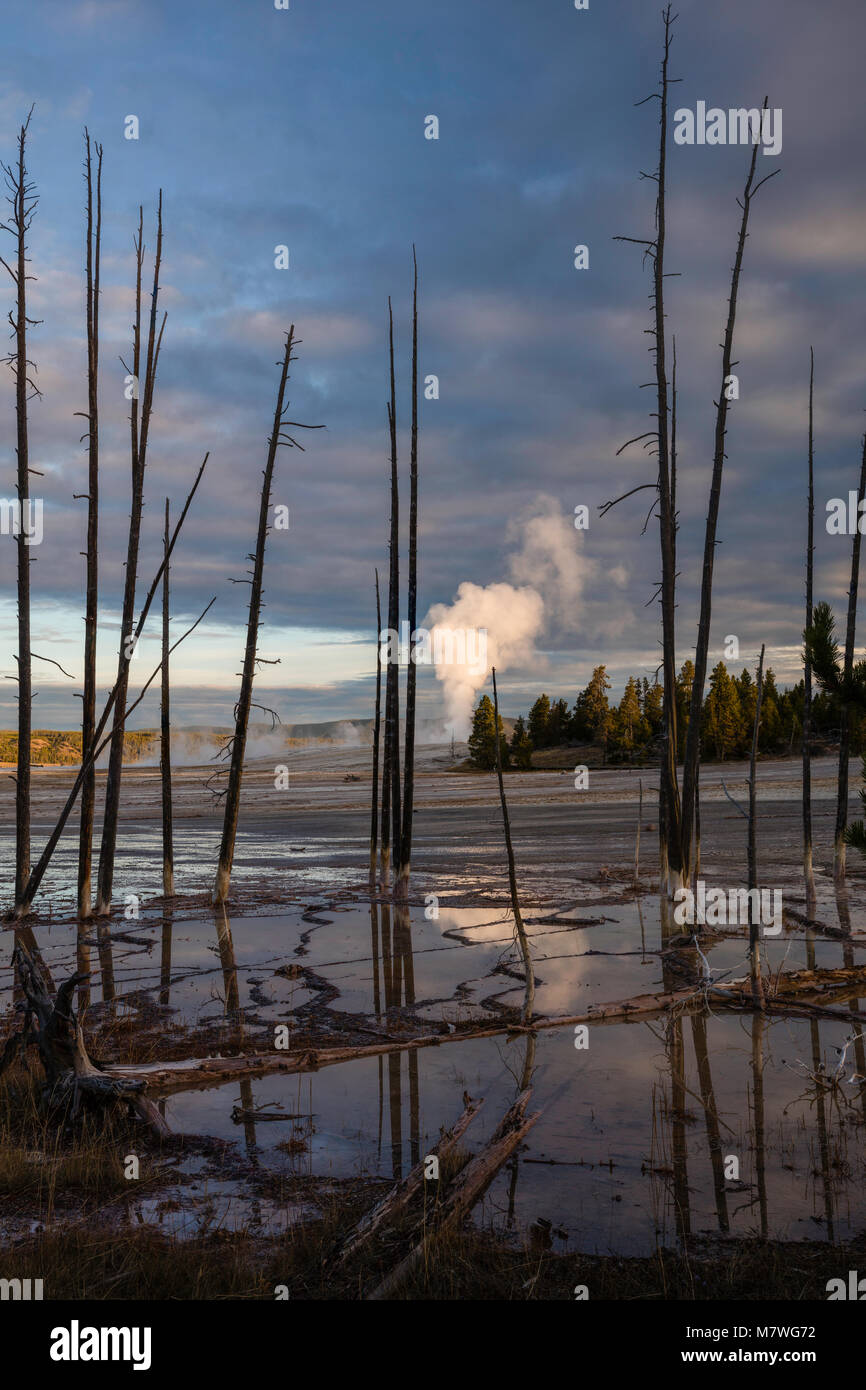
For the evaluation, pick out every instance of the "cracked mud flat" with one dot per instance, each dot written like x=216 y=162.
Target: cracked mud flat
x=636 y=1129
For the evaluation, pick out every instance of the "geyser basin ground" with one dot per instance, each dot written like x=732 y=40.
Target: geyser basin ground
x=636 y=1128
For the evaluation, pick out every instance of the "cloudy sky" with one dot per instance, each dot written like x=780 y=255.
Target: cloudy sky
x=306 y=127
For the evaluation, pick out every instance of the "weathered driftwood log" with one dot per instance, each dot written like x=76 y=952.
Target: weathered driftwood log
x=467 y=1188
x=72 y=1078
x=803 y=991
x=396 y=1201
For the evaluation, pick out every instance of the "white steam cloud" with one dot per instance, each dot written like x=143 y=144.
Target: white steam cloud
x=549 y=573
x=347 y=735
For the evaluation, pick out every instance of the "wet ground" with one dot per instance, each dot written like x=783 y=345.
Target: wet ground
x=316 y=832
x=707 y=1122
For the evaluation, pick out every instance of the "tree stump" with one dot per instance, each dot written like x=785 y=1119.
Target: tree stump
x=72 y=1078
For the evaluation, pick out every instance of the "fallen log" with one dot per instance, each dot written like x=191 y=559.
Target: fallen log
x=395 y=1202
x=798 y=989
x=467 y=1188
x=823 y=928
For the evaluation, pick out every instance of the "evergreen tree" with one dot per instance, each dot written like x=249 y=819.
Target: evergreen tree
x=771 y=732
x=558 y=725
x=791 y=717
x=723 y=718
x=539 y=722
x=747 y=691
x=596 y=706
x=581 y=729
x=629 y=723
x=685 y=679
x=521 y=747
x=653 y=709
x=482 y=749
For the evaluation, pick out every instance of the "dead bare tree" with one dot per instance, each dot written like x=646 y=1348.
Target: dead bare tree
x=674 y=514
x=664 y=857
x=24 y=900
x=165 y=733
x=374 y=796
x=139 y=429
x=807 y=666
x=23 y=200
x=839 y=842
x=670 y=831
x=693 y=733
x=88 y=713
x=404 y=866
x=391 y=824
x=754 y=913
x=520 y=929
x=672 y=827
x=698 y=819
x=236 y=746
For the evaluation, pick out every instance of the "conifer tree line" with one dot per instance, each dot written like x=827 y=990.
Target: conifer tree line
x=632 y=730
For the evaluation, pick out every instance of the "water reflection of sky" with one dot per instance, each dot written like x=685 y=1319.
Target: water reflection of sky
x=639 y=1125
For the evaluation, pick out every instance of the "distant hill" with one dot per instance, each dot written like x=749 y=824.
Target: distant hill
x=62 y=747
x=196 y=744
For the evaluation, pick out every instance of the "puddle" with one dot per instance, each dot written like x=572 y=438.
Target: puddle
x=657 y=1130
x=611 y=1164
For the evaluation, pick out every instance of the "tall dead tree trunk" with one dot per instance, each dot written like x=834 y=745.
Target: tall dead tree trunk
x=670 y=829
x=520 y=929
x=698 y=818
x=844 y=709
x=385 y=833
x=409 y=758
x=693 y=734
x=374 y=795
x=88 y=714
x=24 y=902
x=671 y=734
x=674 y=520
x=807 y=669
x=391 y=824
x=394 y=609
x=165 y=733
x=238 y=742
x=22 y=200
x=138 y=449
x=754 y=912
